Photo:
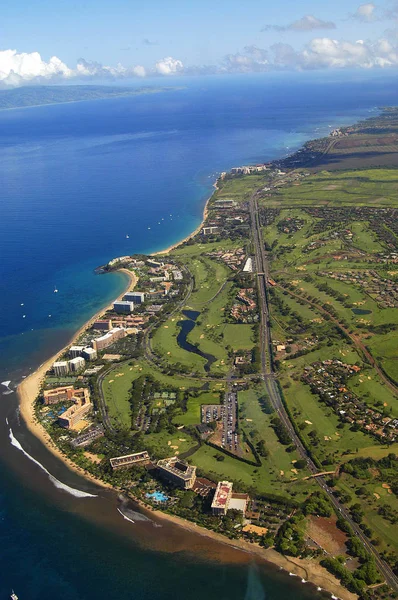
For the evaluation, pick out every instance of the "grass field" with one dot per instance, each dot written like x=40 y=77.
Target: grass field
x=192 y=416
x=240 y=188
x=118 y=382
x=164 y=341
x=276 y=475
x=373 y=187
x=376 y=496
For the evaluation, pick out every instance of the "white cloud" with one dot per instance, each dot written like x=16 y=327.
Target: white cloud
x=319 y=53
x=306 y=23
x=139 y=71
x=365 y=13
x=252 y=59
x=15 y=68
x=168 y=66
x=29 y=68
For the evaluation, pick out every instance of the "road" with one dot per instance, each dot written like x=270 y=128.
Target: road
x=262 y=269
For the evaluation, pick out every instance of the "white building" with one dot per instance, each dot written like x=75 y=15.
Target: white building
x=248 y=268
x=135 y=297
x=75 y=351
x=61 y=368
x=89 y=353
x=123 y=307
x=77 y=364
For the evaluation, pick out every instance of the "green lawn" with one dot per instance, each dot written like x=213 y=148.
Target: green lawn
x=373 y=187
x=192 y=416
x=164 y=341
x=315 y=415
x=239 y=337
x=118 y=382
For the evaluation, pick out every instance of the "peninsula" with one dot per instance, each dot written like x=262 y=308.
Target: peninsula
x=49 y=94
x=247 y=380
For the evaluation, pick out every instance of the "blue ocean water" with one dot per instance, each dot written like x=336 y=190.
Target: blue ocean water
x=75 y=180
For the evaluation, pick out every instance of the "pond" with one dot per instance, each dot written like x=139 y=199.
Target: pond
x=361 y=311
x=186 y=327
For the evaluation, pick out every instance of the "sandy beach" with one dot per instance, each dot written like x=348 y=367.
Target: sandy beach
x=29 y=388
x=306 y=569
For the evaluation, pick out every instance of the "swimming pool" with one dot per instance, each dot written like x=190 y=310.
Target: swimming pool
x=158 y=496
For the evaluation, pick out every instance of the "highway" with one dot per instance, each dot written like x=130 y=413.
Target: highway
x=262 y=270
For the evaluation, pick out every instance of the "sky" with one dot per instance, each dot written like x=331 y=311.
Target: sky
x=59 y=40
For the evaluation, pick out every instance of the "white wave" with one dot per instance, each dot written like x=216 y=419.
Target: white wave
x=303 y=581
x=292 y=574
x=6 y=383
x=335 y=597
x=58 y=484
x=125 y=516
x=319 y=589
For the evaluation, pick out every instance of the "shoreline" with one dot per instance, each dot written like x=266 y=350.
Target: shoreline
x=28 y=390
x=309 y=571
x=197 y=230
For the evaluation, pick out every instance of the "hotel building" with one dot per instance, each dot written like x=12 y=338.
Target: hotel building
x=80 y=409
x=123 y=307
x=59 y=394
x=136 y=297
x=222 y=498
x=61 y=368
x=178 y=472
x=103 y=325
x=75 y=351
x=130 y=460
x=77 y=364
x=109 y=338
x=89 y=353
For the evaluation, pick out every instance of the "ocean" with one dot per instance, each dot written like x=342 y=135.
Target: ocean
x=80 y=184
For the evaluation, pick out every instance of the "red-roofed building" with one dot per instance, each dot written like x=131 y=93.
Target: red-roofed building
x=222 y=498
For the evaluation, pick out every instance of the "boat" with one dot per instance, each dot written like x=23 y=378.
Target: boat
x=13 y=595
x=127 y=237
x=55 y=290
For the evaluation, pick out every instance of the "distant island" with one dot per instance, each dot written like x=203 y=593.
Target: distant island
x=49 y=94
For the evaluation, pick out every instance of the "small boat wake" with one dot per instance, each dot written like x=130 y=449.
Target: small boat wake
x=58 y=484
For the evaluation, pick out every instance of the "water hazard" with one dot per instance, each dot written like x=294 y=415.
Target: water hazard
x=186 y=326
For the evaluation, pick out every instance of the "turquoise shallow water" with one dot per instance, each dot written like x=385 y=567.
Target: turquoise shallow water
x=75 y=180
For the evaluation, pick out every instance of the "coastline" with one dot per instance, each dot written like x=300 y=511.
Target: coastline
x=27 y=392
x=305 y=569
x=197 y=230
x=28 y=389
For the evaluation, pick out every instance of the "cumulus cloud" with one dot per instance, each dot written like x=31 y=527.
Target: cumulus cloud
x=306 y=23
x=16 y=68
x=251 y=59
x=169 y=66
x=365 y=13
x=30 y=68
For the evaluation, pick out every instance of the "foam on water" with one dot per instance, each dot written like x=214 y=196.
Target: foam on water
x=58 y=484
x=125 y=516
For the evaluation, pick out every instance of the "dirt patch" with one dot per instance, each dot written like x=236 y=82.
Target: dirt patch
x=325 y=533
x=374 y=472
